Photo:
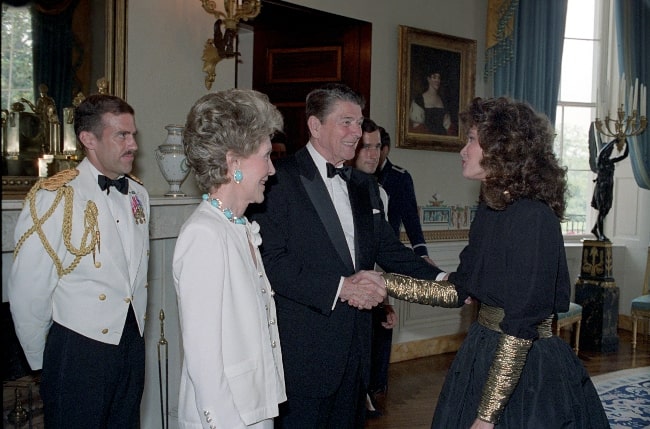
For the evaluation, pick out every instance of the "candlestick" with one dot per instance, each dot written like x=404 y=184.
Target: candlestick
x=13 y=135
x=55 y=138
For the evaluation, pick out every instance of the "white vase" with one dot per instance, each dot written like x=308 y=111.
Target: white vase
x=172 y=161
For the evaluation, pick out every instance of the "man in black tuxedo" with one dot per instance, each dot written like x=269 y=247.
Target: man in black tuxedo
x=319 y=232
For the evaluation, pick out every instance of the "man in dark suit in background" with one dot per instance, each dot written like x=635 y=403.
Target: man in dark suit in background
x=402 y=205
x=320 y=226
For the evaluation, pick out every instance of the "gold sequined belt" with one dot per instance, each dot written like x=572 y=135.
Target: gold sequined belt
x=491 y=318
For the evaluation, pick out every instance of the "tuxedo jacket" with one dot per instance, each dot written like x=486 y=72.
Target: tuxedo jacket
x=93 y=299
x=305 y=255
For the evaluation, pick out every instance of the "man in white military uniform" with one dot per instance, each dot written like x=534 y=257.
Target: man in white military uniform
x=77 y=288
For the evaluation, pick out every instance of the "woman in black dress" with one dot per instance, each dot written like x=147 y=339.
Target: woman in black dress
x=510 y=371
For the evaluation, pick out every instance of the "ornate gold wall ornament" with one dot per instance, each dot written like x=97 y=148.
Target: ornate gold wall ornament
x=222 y=45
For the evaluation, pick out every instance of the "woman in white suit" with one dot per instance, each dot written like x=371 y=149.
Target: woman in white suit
x=232 y=374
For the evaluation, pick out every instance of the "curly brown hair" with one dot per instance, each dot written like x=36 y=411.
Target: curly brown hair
x=518 y=155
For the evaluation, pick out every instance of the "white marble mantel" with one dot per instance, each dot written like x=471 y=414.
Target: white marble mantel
x=167 y=217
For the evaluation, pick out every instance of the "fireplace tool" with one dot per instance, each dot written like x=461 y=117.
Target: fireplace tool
x=18 y=415
x=162 y=348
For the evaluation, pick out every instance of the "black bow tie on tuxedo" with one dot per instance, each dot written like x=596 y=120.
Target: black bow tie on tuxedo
x=345 y=172
x=121 y=184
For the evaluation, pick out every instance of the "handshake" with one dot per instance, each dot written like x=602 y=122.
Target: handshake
x=363 y=290
x=366 y=289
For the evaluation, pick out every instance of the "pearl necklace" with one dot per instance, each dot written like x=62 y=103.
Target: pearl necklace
x=217 y=204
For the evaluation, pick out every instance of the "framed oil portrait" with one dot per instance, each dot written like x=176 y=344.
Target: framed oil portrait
x=436 y=75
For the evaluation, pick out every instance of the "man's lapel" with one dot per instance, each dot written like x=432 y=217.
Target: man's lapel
x=322 y=202
x=363 y=217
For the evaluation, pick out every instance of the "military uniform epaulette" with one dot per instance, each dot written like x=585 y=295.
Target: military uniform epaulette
x=399 y=169
x=135 y=179
x=64 y=193
x=59 y=179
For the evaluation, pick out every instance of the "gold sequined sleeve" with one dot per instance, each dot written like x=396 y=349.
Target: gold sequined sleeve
x=509 y=360
x=427 y=292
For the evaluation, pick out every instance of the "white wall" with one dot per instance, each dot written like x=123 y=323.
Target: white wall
x=628 y=224
x=164 y=76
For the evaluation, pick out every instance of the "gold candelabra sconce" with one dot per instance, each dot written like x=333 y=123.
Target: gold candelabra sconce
x=223 y=44
x=622 y=125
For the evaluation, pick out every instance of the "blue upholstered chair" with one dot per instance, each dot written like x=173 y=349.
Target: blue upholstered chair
x=571 y=317
x=641 y=304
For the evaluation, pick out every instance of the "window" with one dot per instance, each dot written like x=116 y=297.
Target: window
x=582 y=59
x=17 y=63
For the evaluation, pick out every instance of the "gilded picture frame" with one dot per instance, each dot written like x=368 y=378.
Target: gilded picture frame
x=427 y=111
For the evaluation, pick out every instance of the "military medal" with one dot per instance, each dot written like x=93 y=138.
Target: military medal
x=137 y=208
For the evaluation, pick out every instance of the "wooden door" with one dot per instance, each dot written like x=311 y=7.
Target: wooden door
x=297 y=49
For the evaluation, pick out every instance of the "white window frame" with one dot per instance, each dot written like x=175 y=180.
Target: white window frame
x=605 y=65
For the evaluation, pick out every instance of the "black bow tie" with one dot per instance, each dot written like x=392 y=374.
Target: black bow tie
x=121 y=184
x=345 y=172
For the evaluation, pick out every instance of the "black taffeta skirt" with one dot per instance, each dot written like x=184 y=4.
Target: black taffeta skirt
x=554 y=390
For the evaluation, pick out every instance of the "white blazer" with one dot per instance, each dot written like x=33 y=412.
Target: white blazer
x=232 y=374
x=92 y=300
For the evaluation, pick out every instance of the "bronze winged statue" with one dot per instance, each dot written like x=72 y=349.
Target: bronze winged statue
x=603 y=163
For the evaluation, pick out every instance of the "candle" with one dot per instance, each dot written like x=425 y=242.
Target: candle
x=643 y=99
x=69 y=137
x=629 y=99
x=611 y=100
x=621 y=92
x=44 y=165
x=636 y=93
x=55 y=138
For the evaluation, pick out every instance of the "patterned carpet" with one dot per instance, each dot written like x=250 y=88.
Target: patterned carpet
x=626 y=397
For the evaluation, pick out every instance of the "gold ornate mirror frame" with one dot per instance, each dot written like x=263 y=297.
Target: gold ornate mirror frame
x=16 y=187
x=116 y=40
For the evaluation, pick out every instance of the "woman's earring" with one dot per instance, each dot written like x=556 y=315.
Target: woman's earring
x=238 y=176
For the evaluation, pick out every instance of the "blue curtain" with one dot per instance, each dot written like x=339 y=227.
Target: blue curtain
x=533 y=72
x=53 y=50
x=633 y=33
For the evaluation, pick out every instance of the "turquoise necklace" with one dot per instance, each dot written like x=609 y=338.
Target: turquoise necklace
x=217 y=204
